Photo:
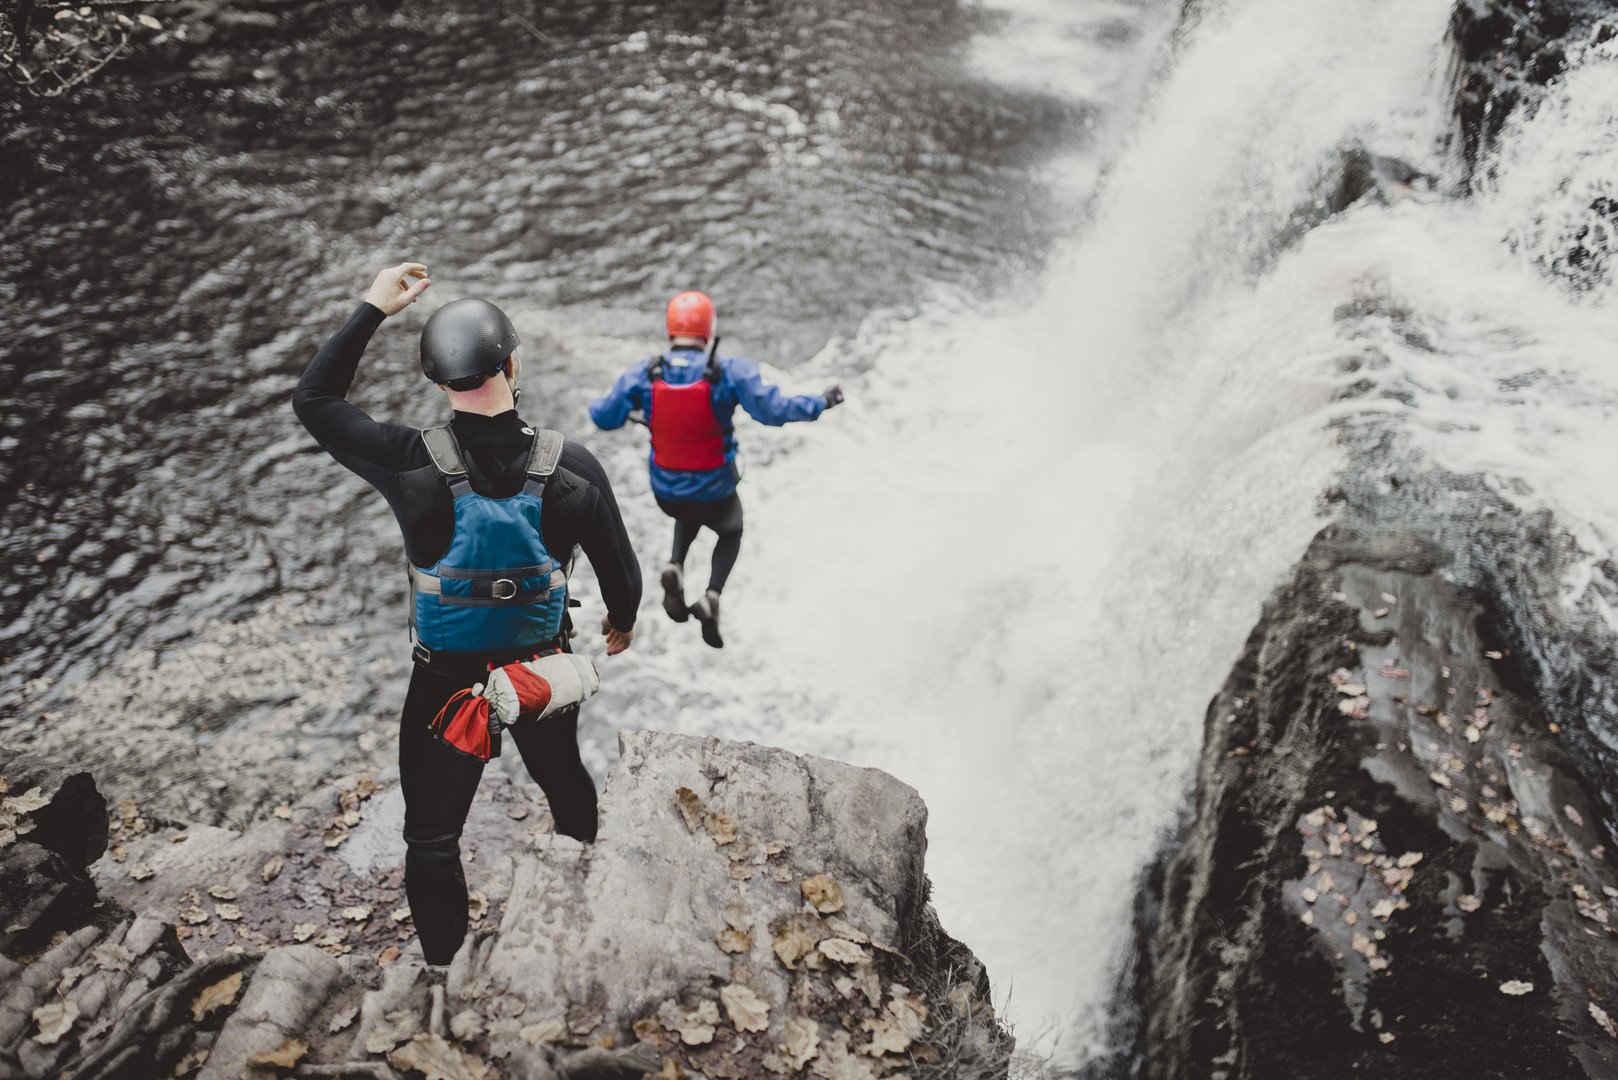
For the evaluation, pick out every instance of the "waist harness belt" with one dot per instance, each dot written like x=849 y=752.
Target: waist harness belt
x=497 y=588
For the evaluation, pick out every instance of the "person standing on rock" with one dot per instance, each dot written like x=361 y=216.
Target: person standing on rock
x=688 y=397
x=492 y=511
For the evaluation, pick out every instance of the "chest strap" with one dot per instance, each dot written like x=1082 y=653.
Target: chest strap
x=445 y=451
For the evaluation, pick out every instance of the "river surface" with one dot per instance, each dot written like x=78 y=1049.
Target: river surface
x=1106 y=355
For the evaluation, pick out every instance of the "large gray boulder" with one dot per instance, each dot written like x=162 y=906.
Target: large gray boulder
x=744 y=912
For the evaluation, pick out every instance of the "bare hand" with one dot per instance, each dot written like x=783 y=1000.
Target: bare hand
x=617 y=640
x=397 y=287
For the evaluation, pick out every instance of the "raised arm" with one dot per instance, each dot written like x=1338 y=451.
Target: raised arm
x=610 y=410
x=369 y=448
x=766 y=403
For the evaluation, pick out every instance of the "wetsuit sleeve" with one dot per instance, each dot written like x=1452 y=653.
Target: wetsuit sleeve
x=606 y=544
x=370 y=448
x=612 y=409
x=765 y=402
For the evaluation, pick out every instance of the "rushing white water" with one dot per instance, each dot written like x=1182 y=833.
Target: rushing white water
x=1015 y=567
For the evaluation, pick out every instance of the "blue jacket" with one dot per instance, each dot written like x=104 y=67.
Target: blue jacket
x=740 y=384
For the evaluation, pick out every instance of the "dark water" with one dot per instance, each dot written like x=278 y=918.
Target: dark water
x=196 y=591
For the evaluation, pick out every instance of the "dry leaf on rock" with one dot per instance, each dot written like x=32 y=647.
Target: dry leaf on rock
x=791 y=944
x=221 y=892
x=466 y=1025
x=898 y=1026
x=690 y=808
x=734 y=941
x=112 y=956
x=140 y=872
x=1599 y=1015
x=803 y=1041
x=54 y=1019
x=546 y=1031
x=216 y=996
x=721 y=826
x=823 y=894
x=844 y=952
x=1468 y=903
x=695 y=1026
x=477 y=905
x=844 y=929
x=271 y=868
x=400 y=914
x=394 y=1029
x=387 y=956
x=228 y=912
x=357 y=913
x=284 y=812
x=1516 y=987
x=303 y=931
x=193 y=915
x=436 y=1059
x=670 y=1071
x=747 y=1011
x=343 y=1019
x=335 y=835
x=284 y=1057
x=29 y=801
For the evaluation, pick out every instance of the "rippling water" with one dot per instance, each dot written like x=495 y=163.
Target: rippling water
x=178 y=243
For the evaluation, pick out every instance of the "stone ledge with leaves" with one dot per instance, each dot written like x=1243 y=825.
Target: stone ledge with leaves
x=746 y=912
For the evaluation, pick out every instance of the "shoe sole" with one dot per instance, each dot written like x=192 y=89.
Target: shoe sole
x=710 y=629
x=674 y=597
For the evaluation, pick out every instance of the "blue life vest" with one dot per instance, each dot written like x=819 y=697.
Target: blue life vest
x=497 y=588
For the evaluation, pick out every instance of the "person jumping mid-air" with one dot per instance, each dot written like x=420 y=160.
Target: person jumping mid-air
x=688 y=396
x=492 y=511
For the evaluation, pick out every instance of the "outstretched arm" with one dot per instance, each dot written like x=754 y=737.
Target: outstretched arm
x=610 y=410
x=369 y=448
x=765 y=402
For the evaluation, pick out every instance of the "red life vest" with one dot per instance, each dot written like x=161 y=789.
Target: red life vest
x=686 y=435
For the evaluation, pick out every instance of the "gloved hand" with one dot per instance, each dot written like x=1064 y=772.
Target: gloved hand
x=834 y=397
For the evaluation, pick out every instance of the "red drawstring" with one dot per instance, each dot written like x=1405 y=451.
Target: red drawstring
x=467 y=731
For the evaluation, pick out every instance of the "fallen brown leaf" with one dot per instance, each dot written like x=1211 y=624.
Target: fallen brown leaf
x=286 y=1056
x=216 y=996
x=54 y=1019
x=436 y=1059
x=690 y=808
x=823 y=894
x=747 y=1011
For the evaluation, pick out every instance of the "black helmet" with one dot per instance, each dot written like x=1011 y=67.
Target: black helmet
x=466 y=338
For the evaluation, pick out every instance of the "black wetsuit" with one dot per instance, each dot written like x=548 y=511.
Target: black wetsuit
x=579 y=512
x=724 y=517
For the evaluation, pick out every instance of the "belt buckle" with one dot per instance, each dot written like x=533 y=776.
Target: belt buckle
x=496 y=591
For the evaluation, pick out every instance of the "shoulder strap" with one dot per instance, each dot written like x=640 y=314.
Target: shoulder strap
x=713 y=372
x=654 y=370
x=542 y=459
x=445 y=453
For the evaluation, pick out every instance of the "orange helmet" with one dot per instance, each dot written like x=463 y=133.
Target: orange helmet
x=691 y=314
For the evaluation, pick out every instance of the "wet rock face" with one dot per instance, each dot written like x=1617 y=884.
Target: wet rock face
x=1506 y=51
x=1391 y=849
x=746 y=912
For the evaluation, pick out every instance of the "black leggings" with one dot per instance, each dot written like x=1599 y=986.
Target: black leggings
x=724 y=517
x=439 y=784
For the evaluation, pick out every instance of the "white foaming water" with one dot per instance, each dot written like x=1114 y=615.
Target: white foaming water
x=1013 y=570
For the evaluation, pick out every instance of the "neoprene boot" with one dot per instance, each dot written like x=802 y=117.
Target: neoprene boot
x=674 y=592
x=707 y=612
